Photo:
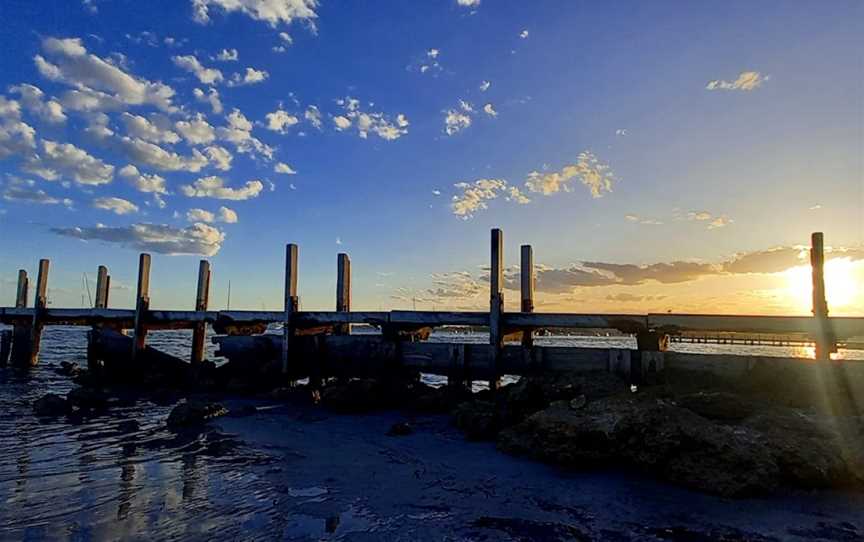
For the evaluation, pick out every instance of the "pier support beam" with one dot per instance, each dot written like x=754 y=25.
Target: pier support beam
x=343 y=291
x=291 y=302
x=496 y=307
x=5 y=346
x=142 y=305
x=40 y=302
x=103 y=281
x=824 y=336
x=20 y=332
x=202 y=298
x=526 y=267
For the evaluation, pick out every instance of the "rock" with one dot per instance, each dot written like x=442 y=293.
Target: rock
x=439 y=400
x=578 y=402
x=194 y=413
x=477 y=419
x=297 y=395
x=67 y=368
x=359 y=395
x=400 y=429
x=718 y=405
x=51 y=405
x=653 y=435
x=88 y=398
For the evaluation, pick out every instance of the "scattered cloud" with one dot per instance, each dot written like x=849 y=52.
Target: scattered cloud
x=523 y=34
x=20 y=190
x=157 y=130
x=225 y=215
x=588 y=170
x=191 y=64
x=251 y=77
x=285 y=169
x=64 y=160
x=118 y=206
x=152 y=155
x=33 y=99
x=455 y=121
x=196 y=131
x=713 y=221
x=642 y=220
x=214 y=187
x=148 y=183
x=622 y=132
x=475 y=196
x=468 y=3
x=280 y=121
x=220 y=158
x=199 y=239
x=211 y=97
x=272 y=12
x=746 y=81
x=313 y=116
x=239 y=132
x=489 y=109
x=227 y=55
x=484 y=86
x=365 y=122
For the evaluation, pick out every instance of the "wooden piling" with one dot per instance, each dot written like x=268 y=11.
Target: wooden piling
x=5 y=346
x=40 y=302
x=496 y=306
x=202 y=297
x=21 y=332
x=343 y=291
x=142 y=305
x=291 y=301
x=526 y=267
x=824 y=337
x=102 y=280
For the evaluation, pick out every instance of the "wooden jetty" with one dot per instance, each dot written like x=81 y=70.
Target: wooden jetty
x=318 y=344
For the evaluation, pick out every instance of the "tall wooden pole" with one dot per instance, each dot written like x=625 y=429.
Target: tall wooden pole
x=526 y=268
x=21 y=333
x=824 y=336
x=343 y=291
x=496 y=306
x=142 y=305
x=202 y=298
x=102 y=288
x=291 y=302
x=39 y=304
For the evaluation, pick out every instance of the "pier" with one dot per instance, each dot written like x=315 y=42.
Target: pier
x=319 y=344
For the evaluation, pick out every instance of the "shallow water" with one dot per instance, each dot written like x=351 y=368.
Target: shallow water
x=291 y=475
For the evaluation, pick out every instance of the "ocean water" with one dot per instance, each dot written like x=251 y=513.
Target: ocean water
x=122 y=474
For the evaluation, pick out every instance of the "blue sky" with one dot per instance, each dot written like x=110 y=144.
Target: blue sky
x=686 y=135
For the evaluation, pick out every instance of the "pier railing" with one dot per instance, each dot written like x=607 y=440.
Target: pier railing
x=402 y=327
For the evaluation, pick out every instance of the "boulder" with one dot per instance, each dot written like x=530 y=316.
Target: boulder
x=190 y=414
x=51 y=405
x=87 y=398
x=477 y=419
x=359 y=395
x=718 y=405
x=68 y=368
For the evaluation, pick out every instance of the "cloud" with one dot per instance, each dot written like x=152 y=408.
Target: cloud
x=225 y=215
x=484 y=86
x=33 y=99
x=746 y=81
x=468 y=3
x=117 y=206
x=366 y=123
x=239 y=132
x=625 y=297
x=227 y=55
x=251 y=77
x=523 y=34
x=475 y=196
x=219 y=157
x=282 y=167
x=156 y=131
x=313 y=115
x=272 y=12
x=58 y=160
x=641 y=220
x=150 y=154
x=489 y=109
x=198 y=239
x=148 y=183
x=455 y=121
x=211 y=97
x=196 y=131
x=191 y=64
x=71 y=64
x=19 y=190
x=592 y=173
x=714 y=221
x=286 y=41
x=214 y=187
x=16 y=137
x=280 y=121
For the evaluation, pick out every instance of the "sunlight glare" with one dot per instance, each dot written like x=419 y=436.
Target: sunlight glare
x=841 y=287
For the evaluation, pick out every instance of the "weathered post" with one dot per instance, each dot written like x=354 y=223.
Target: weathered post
x=343 y=291
x=496 y=306
x=824 y=336
x=21 y=332
x=5 y=346
x=526 y=268
x=102 y=279
x=142 y=305
x=291 y=255
x=39 y=304
x=202 y=298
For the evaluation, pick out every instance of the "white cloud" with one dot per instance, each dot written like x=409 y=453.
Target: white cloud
x=143 y=182
x=455 y=121
x=214 y=187
x=366 y=123
x=196 y=131
x=20 y=190
x=227 y=55
x=219 y=156
x=286 y=41
x=714 y=221
x=16 y=136
x=226 y=215
x=239 y=132
x=468 y=3
x=251 y=77
x=58 y=160
x=622 y=132
x=211 y=97
x=489 y=109
x=200 y=215
x=523 y=34
x=89 y=100
x=342 y=123
x=641 y=220
x=313 y=115
x=475 y=196
x=117 y=206
x=156 y=130
x=161 y=238
x=273 y=12
x=284 y=168
x=588 y=170
x=33 y=99
x=153 y=155
x=280 y=121
x=191 y=64
x=746 y=81
x=484 y=86
x=71 y=64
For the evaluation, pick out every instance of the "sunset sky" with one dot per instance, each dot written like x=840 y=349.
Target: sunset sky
x=659 y=156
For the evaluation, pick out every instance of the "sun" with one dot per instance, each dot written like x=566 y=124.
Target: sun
x=841 y=288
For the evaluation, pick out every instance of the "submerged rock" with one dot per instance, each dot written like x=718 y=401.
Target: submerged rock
x=87 y=398
x=194 y=413
x=67 y=368
x=51 y=405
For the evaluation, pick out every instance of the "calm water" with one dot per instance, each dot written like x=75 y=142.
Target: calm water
x=122 y=474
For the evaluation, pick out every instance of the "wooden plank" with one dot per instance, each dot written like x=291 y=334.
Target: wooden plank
x=628 y=323
x=824 y=337
x=343 y=291
x=142 y=305
x=202 y=297
x=496 y=305
x=40 y=302
x=291 y=302
x=21 y=329
x=102 y=279
x=526 y=268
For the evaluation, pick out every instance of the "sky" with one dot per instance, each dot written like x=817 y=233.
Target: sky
x=660 y=156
